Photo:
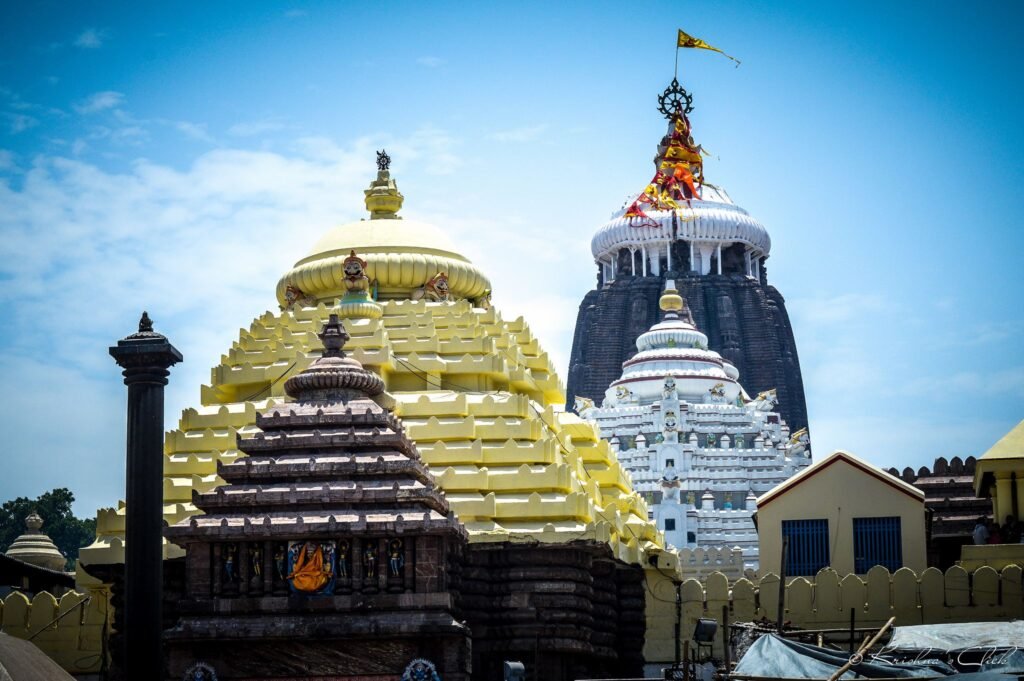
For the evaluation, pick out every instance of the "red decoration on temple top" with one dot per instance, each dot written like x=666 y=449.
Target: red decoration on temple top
x=678 y=178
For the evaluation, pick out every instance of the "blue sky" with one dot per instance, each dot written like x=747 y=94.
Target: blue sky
x=180 y=157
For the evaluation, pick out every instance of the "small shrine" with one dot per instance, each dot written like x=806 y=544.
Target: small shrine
x=35 y=547
x=329 y=552
x=696 y=445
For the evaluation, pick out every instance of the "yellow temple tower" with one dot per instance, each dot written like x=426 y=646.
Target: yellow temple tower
x=476 y=392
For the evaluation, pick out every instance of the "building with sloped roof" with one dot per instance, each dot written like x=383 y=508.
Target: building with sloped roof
x=842 y=512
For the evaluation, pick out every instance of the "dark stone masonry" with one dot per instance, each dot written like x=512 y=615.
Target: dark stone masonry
x=329 y=553
x=745 y=321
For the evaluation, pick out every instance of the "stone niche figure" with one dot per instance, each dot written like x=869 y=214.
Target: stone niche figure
x=357 y=284
x=370 y=560
x=396 y=557
x=231 y=563
x=279 y=561
x=638 y=314
x=669 y=390
x=670 y=486
x=344 y=549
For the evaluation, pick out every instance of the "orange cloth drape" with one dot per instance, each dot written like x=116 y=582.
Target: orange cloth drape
x=309 y=573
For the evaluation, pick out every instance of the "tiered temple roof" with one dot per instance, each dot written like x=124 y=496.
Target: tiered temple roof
x=475 y=391
x=695 y=444
x=331 y=501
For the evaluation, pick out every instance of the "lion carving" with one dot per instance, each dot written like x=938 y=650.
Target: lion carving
x=582 y=405
x=765 y=401
x=435 y=290
x=293 y=295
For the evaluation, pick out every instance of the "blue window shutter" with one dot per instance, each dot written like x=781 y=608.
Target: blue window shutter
x=808 y=547
x=877 y=541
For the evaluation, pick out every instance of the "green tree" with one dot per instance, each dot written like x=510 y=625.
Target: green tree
x=67 y=532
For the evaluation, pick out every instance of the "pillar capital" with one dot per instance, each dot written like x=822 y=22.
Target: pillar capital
x=145 y=355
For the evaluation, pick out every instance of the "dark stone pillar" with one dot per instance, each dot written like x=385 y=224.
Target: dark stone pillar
x=145 y=357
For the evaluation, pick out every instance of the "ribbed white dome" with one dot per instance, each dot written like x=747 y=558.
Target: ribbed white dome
x=715 y=218
x=674 y=347
x=671 y=333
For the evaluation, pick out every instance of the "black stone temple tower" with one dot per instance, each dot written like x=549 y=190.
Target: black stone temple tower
x=684 y=228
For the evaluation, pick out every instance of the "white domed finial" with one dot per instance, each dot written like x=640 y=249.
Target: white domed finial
x=34 y=523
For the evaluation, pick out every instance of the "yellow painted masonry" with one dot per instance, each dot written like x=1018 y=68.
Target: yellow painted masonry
x=477 y=394
x=75 y=642
x=1000 y=474
x=824 y=601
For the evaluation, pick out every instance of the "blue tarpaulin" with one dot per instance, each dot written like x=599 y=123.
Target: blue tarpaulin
x=995 y=660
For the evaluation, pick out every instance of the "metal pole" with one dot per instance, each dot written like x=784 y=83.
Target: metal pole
x=725 y=638
x=145 y=357
x=782 y=584
x=679 y=617
x=853 y=620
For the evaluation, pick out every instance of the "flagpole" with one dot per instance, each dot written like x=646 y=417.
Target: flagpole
x=675 y=72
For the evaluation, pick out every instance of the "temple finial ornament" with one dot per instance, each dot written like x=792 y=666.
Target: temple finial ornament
x=33 y=523
x=675 y=100
x=383 y=199
x=334 y=337
x=679 y=163
x=671 y=301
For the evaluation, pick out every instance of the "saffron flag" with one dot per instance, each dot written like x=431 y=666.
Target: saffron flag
x=687 y=40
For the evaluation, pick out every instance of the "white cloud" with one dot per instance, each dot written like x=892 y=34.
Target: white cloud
x=6 y=159
x=194 y=130
x=838 y=309
x=17 y=123
x=91 y=38
x=201 y=248
x=100 y=101
x=431 y=62
x=524 y=134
